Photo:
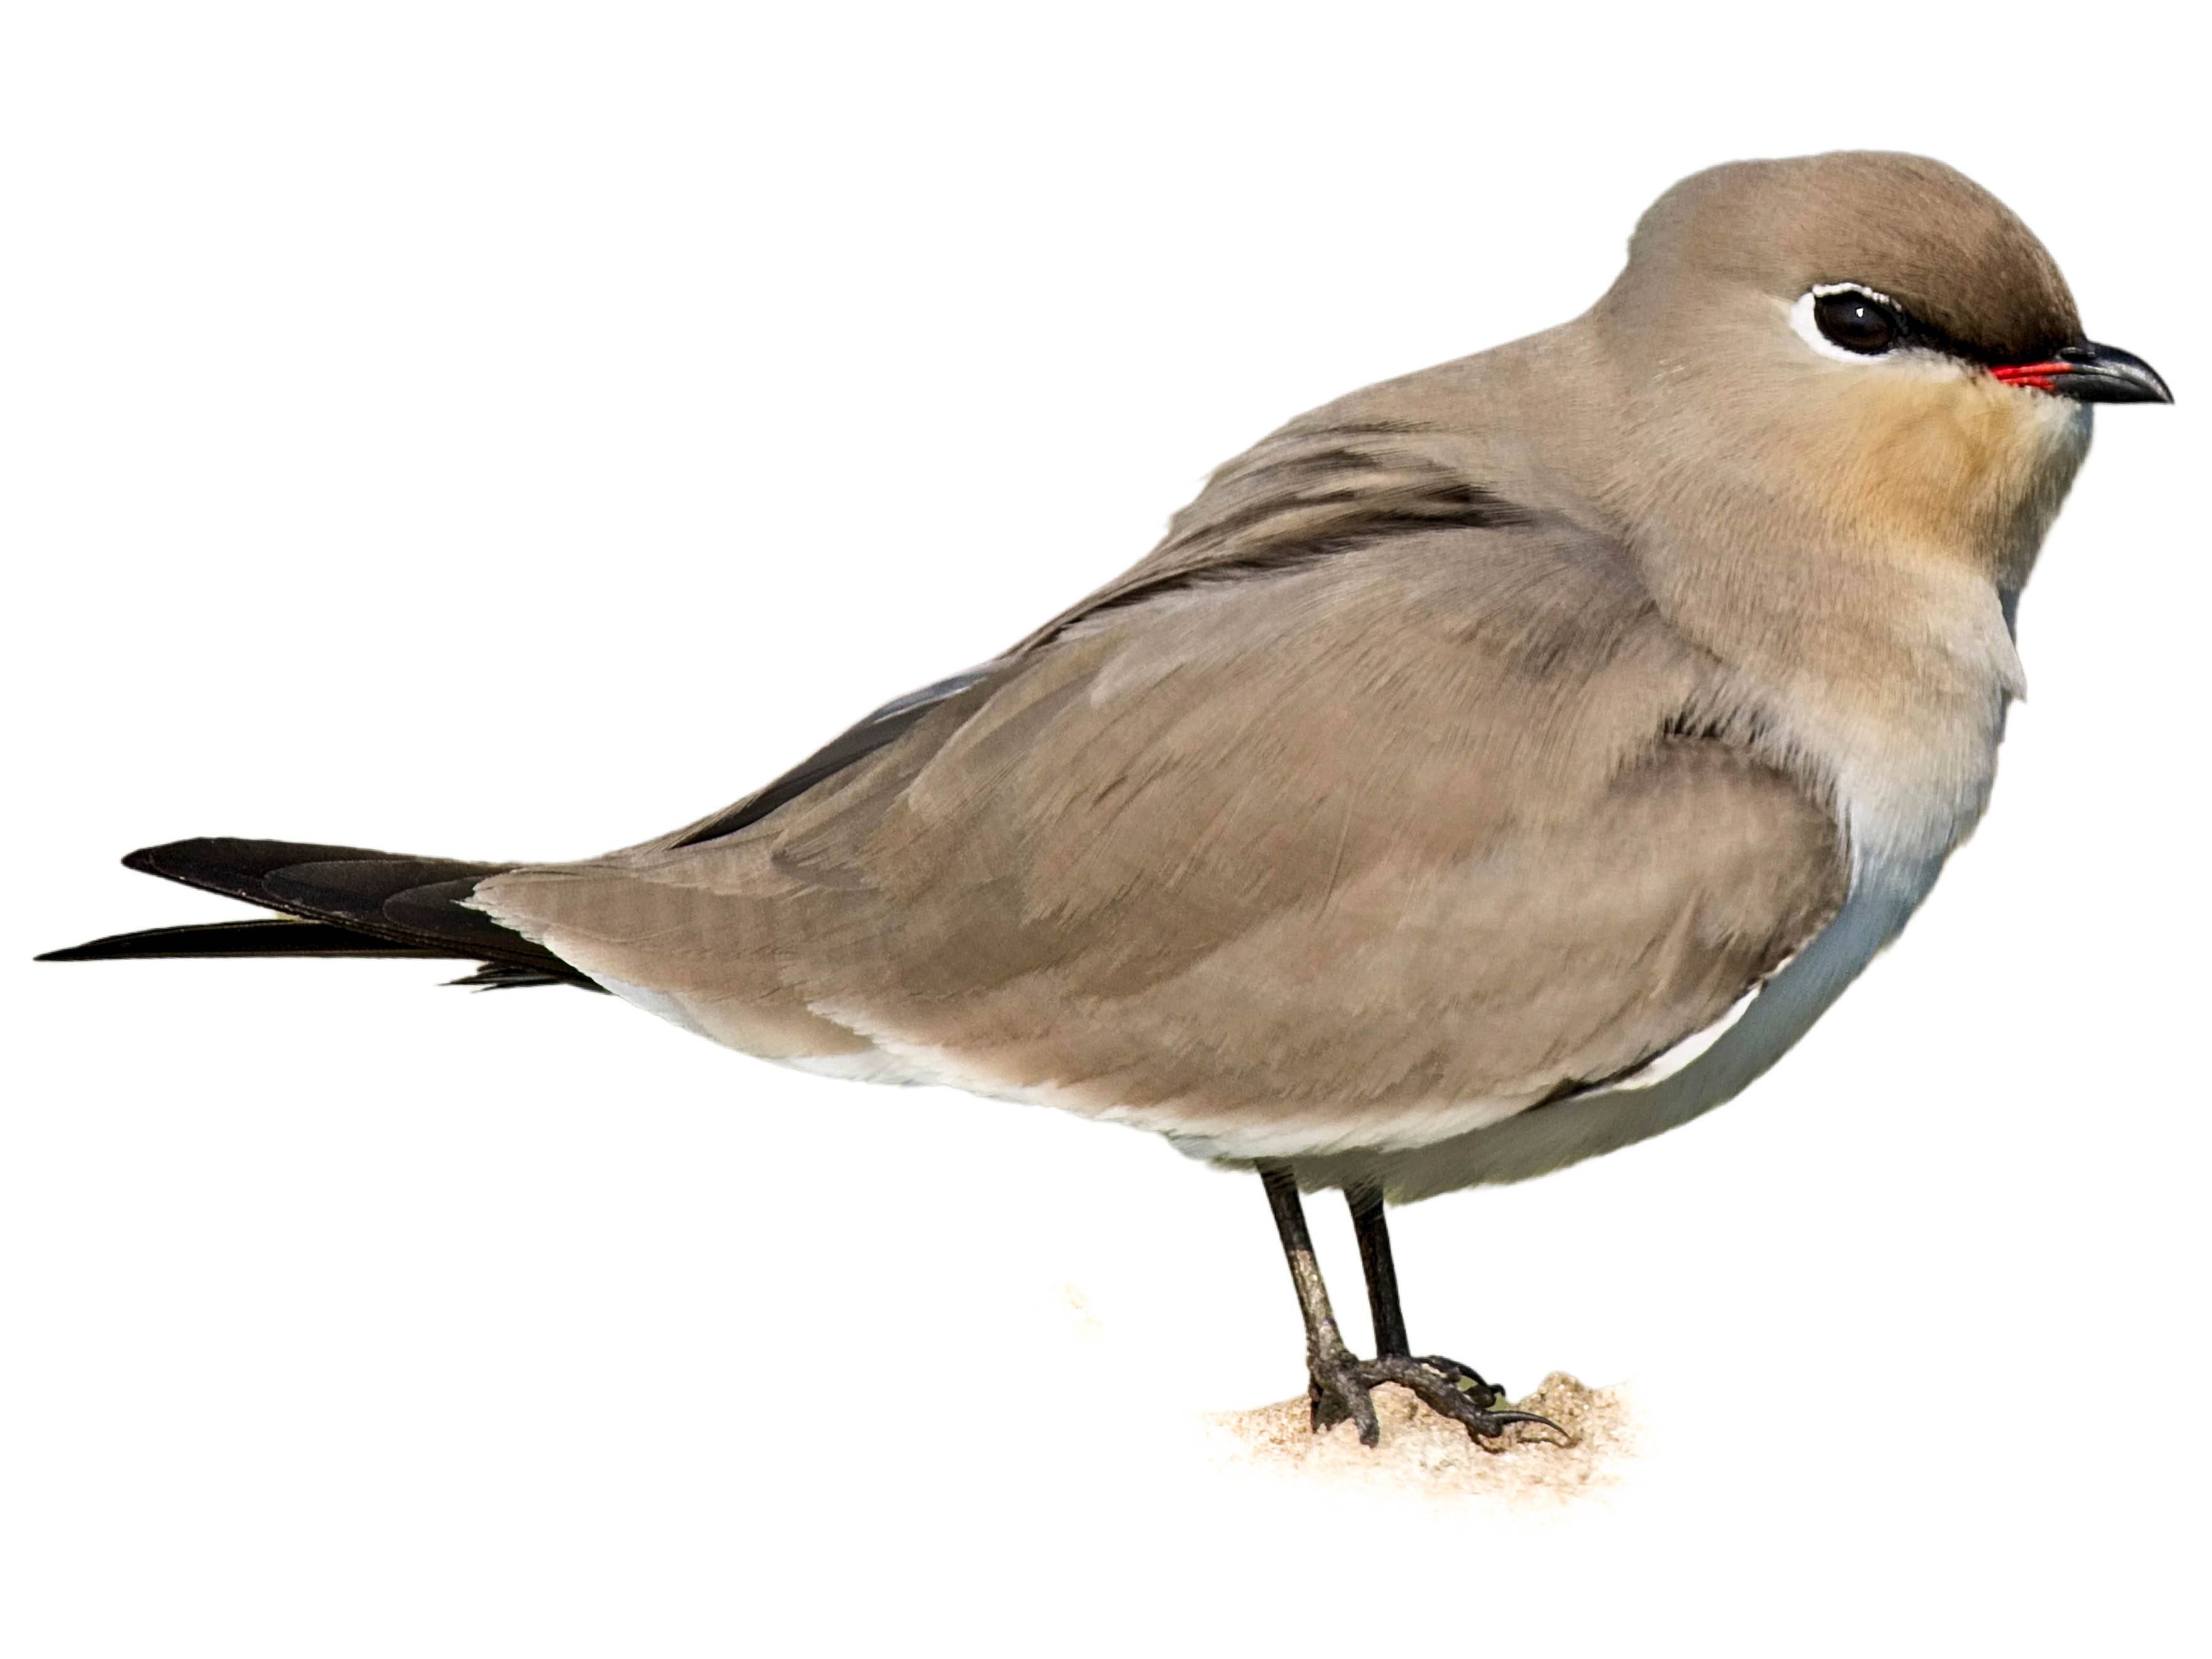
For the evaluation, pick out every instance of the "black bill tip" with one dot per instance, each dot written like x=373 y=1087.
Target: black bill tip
x=2106 y=375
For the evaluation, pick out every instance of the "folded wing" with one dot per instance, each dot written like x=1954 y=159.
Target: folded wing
x=1363 y=839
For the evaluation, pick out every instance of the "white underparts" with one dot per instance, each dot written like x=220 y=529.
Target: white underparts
x=862 y=1065
x=869 y=1065
x=1668 y=1061
x=653 y=1002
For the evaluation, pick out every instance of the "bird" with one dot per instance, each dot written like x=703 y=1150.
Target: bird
x=1489 y=769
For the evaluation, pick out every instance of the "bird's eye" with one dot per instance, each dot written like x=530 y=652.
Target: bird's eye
x=1858 y=321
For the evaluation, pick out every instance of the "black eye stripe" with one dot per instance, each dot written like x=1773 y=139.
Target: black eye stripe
x=1916 y=330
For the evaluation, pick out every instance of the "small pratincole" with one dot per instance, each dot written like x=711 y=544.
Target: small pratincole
x=1490 y=769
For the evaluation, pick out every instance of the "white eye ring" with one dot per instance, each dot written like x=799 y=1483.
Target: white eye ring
x=1808 y=331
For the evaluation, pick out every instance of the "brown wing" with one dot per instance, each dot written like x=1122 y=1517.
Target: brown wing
x=1358 y=848
x=1308 y=492
x=1320 y=487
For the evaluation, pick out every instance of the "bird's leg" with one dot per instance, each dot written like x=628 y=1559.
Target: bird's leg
x=1374 y=1232
x=1444 y=1386
x=1390 y=1341
x=1334 y=1385
x=1338 y=1384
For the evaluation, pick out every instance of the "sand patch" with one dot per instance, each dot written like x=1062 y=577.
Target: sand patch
x=1423 y=1454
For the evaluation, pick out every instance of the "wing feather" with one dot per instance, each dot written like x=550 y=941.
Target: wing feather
x=1362 y=848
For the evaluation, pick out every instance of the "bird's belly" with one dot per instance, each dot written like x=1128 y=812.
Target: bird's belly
x=1759 y=1033
x=1423 y=1147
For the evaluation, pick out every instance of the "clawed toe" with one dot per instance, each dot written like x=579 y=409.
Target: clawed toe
x=1340 y=1387
x=1452 y=1390
x=1467 y=1380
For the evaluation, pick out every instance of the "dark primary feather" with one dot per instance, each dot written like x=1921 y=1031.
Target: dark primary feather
x=856 y=742
x=1298 y=497
x=342 y=901
x=264 y=937
x=1307 y=493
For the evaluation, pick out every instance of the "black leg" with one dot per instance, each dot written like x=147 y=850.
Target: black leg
x=1381 y=1272
x=1332 y=1383
x=1337 y=1384
x=1389 y=1316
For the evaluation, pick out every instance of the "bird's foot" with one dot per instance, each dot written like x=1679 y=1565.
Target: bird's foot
x=1338 y=1394
x=1450 y=1390
x=1467 y=1380
x=1339 y=1387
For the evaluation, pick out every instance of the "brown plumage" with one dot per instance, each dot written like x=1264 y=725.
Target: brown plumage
x=1258 y=861
x=1466 y=744
x=1489 y=769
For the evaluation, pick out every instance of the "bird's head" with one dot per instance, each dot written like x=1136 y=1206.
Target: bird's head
x=1858 y=346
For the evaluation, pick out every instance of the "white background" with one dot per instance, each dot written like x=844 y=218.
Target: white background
x=509 y=431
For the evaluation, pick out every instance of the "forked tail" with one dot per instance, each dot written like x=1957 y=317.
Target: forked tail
x=334 y=901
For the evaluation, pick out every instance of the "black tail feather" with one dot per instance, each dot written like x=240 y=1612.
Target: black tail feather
x=340 y=902
x=287 y=937
x=506 y=976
